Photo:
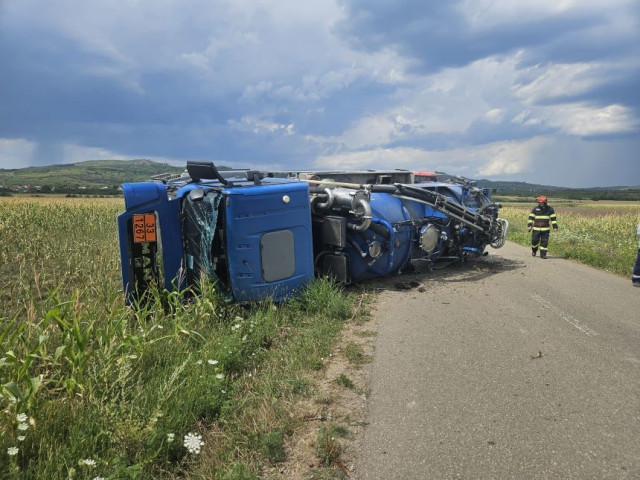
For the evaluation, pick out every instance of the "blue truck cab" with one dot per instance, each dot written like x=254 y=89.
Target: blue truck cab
x=252 y=235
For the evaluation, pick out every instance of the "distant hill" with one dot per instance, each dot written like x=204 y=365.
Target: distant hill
x=92 y=175
x=106 y=176
x=529 y=191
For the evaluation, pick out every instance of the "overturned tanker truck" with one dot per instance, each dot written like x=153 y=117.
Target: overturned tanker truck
x=267 y=234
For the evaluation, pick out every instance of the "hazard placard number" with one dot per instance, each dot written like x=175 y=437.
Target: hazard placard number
x=144 y=228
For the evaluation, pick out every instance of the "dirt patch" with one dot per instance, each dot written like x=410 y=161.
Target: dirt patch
x=339 y=398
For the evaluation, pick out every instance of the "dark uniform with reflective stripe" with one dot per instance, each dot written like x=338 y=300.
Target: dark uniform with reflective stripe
x=635 y=277
x=541 y=219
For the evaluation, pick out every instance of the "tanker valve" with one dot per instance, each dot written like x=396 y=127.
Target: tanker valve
x=375 y=249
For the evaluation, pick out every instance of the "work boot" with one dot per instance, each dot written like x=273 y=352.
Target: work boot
x=533 y=253
x=543 y=255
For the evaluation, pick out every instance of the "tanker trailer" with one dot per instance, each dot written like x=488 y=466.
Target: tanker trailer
x=264 y=235
x=367 y=231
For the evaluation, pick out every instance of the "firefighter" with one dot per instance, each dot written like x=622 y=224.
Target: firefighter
x=541 y=219
x=635 y=277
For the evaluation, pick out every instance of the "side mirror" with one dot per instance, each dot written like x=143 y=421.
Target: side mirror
x=204 y=170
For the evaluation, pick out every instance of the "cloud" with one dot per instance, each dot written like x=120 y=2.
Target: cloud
x=535 y=160
x=584 y=120
x=509 y=158
x=482 y=87
x=495 y=159
x=375 y=158
x=15 y=152
x=258 y=126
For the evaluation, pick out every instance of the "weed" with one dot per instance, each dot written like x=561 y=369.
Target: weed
x=300 y=386
x=328 y=448
x=367 y=333
x=271 y=445
x=345 y=381
x=355 y=354
x=324 y=399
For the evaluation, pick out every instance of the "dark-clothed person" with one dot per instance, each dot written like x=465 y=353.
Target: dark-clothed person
x=635 y=277
x=541 y=219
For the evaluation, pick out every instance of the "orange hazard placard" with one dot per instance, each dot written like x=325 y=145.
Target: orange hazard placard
x=144 y=228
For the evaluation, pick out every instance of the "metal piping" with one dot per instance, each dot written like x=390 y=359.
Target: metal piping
x=365 y=208
x=316 y=204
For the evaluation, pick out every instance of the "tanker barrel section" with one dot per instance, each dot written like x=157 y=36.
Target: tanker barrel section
x=383 y=227
x=436 y=200
x=442 y=203
x=485 y=219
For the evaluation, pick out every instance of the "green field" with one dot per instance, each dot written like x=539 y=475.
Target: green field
x=600 y=234
x=91 y=388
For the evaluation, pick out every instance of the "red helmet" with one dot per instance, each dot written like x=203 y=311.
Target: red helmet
x=542 y=199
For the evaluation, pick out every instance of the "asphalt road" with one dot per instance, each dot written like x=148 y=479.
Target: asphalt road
x=513 y=367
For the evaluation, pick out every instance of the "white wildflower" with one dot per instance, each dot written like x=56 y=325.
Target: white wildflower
x=21 y=438
x=23 y=426
x=219 y=376
x=98 y=478
x=170 y=437
x=88 y=461
x=199 y=362
x=11 y=451
x=212 y=362
x=193 y=442
x=22 y=417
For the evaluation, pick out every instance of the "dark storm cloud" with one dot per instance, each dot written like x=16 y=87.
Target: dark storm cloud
x=481 y=86
x=438 y=35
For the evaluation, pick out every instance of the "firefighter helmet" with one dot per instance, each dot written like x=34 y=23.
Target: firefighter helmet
x=542 y=199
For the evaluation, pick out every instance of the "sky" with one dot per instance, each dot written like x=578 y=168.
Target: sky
x=544 y=92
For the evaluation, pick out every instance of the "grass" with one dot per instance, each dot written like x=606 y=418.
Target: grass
x=599 y=234
x=328 y=447
x=90 y=388
x=345 y=381
x=355 y=354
